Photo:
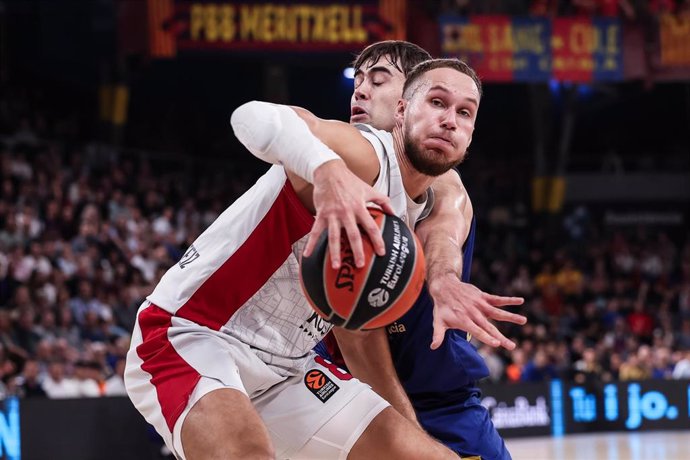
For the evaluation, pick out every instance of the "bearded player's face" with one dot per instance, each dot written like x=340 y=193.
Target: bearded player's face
x=438 y=120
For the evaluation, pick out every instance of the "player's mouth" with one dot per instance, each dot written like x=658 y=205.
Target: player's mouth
x=358 y=114
x=442 y=140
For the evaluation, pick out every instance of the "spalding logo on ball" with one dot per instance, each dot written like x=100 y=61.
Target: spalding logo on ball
x=375 y=295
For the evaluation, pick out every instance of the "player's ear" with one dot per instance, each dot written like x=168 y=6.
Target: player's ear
x=400 y=111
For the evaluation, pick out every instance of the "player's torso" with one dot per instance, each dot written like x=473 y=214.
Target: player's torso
x=241 y=276
x=423 y=371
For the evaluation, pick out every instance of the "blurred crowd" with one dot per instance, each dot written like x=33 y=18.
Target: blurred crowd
x=602 y=305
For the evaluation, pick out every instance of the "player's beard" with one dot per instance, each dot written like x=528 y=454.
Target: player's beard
x=428 y=163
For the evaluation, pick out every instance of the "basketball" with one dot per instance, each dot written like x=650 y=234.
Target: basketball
x=374 y=295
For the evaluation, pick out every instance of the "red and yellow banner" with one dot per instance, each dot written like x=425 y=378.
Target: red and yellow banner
x=272 y=26
x=504 y=48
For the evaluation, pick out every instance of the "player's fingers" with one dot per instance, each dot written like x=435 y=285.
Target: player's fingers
x=499 y=301
x=508 y=344
x=355 y=242
x=334 y=241
x=438 y=336
x=368 y=224
x=483 y=336
x=314 y=235
x=489 y=328
x=384 y=201
x=506 y=316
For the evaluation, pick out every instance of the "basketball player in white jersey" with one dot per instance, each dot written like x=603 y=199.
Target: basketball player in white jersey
x=221 y=362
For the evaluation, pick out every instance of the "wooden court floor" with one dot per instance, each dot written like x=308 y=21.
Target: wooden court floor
x=659 y=445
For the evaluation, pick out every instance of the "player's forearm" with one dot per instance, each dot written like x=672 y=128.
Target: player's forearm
x=277 y=135
x=368 y=358
x=444 y=232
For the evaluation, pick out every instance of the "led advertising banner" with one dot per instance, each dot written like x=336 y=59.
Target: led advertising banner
x=312 y=25
x=627 y=406
x=527 y=49
x=561 y=408
x=519 y=410
x=9 y=429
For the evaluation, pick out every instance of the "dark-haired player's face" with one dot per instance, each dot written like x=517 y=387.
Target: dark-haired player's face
x=378 y=87
x=438 y=120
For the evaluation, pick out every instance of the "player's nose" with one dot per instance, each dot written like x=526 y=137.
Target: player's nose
x=448 y=120
x=362 y=92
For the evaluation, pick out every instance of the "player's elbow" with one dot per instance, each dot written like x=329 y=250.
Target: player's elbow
x=256 y=124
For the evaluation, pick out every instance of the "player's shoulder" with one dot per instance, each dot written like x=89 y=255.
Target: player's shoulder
x=365 y=128
x=381 y=140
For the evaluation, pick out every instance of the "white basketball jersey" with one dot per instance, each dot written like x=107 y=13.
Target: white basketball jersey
x=241 y=276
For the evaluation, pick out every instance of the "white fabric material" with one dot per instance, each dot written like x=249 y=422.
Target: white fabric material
x=277 y=135
x=337 y=437
x=291 y=411
x=65 y=388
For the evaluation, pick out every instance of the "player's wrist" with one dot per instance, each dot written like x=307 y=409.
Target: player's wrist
x=438 y=279
x=323 y=169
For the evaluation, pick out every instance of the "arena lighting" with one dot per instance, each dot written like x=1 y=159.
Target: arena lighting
x=554 y=85
x=349 y=73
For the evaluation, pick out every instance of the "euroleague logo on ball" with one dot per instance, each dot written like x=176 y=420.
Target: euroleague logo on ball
x=378 y=297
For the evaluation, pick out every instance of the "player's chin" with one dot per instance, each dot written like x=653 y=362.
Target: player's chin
x=360 y=118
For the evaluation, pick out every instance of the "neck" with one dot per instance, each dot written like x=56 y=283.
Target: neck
x=415 y=183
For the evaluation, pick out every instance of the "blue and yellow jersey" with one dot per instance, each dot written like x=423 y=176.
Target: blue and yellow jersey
x=423 y=371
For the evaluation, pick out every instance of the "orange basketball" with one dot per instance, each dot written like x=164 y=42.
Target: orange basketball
x=372 y=296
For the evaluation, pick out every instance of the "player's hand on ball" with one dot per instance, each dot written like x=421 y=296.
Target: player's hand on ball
x=340 y=199
x=459 y=305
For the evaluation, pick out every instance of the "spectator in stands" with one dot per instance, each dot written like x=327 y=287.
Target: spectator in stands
x=57 y=385
x=612 y=370
x=570 y=280
x=640 y=321
x=28 y=383
x=551 y=296
x=683 y=340
x=493 y=362
x=662 y=366
x=587 y=370
x=632 y=369
x=539 y=369
x=115 y=384
x=515 y=368
x=682 y=367
x=88 y=377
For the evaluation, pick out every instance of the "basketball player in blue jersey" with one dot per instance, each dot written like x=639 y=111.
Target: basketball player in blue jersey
x=438 y=380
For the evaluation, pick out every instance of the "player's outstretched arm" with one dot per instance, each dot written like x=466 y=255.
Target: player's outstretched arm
x=368 y=358
x=309 y=148
x=458 y=305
